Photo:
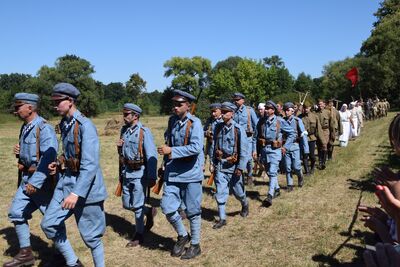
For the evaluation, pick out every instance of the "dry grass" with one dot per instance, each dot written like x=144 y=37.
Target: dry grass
x=315 y=225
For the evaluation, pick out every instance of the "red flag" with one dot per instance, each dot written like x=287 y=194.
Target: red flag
x=352 y=75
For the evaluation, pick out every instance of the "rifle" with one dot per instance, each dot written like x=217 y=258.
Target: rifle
x=19 y=171
x=211 y=179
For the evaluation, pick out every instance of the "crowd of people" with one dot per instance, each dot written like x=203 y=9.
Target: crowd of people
x=235 y=142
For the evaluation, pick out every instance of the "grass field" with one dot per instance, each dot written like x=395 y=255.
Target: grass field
x=315 y=225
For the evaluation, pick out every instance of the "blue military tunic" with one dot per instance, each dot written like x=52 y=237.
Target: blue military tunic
x=270 y=156
x=24 y=205
x=87 y=183
x=184 y=174
x=209 y=127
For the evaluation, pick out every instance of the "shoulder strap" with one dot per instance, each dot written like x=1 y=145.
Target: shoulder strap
x=218 y=129
x=140 y=149
x=235 y=149
x=76 y=141
x=188 y=126
x=37 y=142
x=278 y=127
x=248 y=119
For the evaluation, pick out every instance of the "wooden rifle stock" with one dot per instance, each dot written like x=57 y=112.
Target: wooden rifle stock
x=118 y=190
x=211 y=179
x=157 y=187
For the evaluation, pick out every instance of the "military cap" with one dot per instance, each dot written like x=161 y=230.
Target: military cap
x=271 y=104
x=307 y=105
x=132 y=107
x=25 y=98
x=63 y=90
x=288 y=105
x=238 y=95
x=215 y=106
x=181 y=96
x=228 y=106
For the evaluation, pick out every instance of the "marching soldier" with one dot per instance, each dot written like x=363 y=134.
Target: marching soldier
x=229 y=160
x=292 y=155
x=247 y=118
x=338 y=128
x=80 y=190
x=184 y=157
x=37 y=147
x=209 y=126
x=314 y=129
x=269 y=133
x=139 y=158
x=328 y=127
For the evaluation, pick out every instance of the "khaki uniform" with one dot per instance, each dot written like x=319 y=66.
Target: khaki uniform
x=328 y=122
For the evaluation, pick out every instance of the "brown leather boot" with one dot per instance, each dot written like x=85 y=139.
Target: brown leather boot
x=23 y=258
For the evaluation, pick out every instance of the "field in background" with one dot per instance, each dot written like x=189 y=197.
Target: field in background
x=315 y=225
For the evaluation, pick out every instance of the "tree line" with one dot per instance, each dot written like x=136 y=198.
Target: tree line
x=259 y=79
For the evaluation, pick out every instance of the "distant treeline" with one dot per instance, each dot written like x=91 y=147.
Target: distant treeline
x=259 y=79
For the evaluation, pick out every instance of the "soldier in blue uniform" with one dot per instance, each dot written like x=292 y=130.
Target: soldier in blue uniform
x=36 y=149
x=229 y=160
x=184 y=159
x=139 y=156
x=209 y=126
x=268 y=135
x=247 y=118
x=292 y=155
x=80 y=190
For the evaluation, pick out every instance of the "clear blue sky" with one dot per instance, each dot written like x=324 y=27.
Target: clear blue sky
x=123 y=37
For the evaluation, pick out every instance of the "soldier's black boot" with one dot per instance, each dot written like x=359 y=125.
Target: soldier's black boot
x=301 y=180
x=306 y=166
x=23 y=258
x=330 y=153
x=324 y=155
x=179 y=246
x=267 y=202
x=290 y=188
x=136 y=241
x=219 y=224
x=192 y=252
x=77 y=264
x=312 y=169
x=245 y=210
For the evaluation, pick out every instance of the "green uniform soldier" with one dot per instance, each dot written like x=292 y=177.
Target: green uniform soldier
x=328 y=125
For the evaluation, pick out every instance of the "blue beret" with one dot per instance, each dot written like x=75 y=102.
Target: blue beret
x=65 y=89
x=133 y=108
x=215 y=106
x=288 y=105
x=238 y=95
x=229 y=106
x=25 y=98
x=271 y=104
x=181 y=96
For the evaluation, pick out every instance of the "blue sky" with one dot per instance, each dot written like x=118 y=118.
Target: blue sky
x=124 y=37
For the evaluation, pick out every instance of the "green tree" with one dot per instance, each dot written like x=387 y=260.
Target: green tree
x=135 y=87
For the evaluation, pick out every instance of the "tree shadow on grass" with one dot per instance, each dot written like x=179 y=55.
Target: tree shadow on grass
x=39 y=246
x=126 y=229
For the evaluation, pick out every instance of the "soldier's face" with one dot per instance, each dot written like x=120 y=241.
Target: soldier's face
x=261 y=111
x=227 y=115
x=62 y=106
x=216 y=113
x=269 y=111
x=238 y=101
x=321 y=104
x=289 y=112
x=23 y=111
x=128 y=117
x=307 y=110
x=180 y=108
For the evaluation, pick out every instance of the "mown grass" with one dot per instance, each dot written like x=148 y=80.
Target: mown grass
x=315 y=225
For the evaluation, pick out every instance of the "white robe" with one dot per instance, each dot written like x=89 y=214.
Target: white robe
x=345 y=119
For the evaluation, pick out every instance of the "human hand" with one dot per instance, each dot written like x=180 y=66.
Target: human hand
x=283 y=150
x=255 y=155
x=389 y=203
x=374 y=211
x=16 y=149
x=52 y=168
x=30 y=189
x=164 y=150
x=120 y=142
x=238 y=172
x=70 y=202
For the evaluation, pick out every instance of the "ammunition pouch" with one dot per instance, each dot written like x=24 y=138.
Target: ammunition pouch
x=134 y=164
x=72 y=164
x=274 y=144
x=24 y=169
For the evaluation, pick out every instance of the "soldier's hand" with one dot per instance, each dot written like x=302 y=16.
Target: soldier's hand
x=283 y=150
x=164 y=150
x=52 y=168
x=120 y=142
x=70 y=202
x=255 y=155
x=238 y=172
x=16 y=149
x=30 y=189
